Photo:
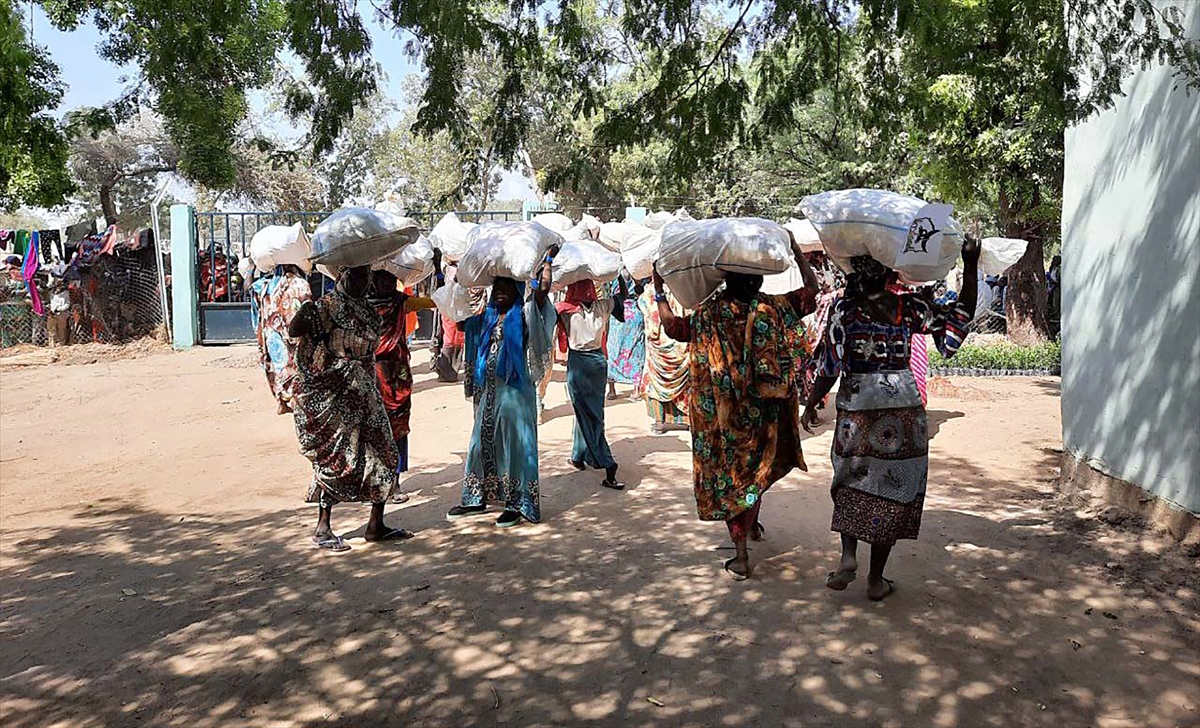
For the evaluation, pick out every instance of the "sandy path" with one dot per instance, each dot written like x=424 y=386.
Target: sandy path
x=155 y=571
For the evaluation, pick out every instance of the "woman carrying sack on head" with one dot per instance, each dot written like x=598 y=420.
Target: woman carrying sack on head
x=744 y=404
x=667 y=375
x=880 y=443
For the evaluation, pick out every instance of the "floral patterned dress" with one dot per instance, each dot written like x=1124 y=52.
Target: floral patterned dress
x=340 y=418
x=274 y=299
x=744 y=402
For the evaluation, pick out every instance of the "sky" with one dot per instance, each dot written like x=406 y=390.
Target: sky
x=92 y=81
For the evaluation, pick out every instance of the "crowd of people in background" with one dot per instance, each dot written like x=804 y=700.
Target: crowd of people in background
x=745 y=373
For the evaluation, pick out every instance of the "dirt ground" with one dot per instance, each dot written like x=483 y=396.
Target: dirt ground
x=155 y=570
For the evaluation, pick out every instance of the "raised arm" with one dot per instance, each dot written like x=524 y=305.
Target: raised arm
x=673 y=326
x=967 y=297
x=806 y=272
x=618 y=310
x=544 y=279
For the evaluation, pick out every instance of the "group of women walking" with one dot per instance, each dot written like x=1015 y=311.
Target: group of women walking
x=744 y=372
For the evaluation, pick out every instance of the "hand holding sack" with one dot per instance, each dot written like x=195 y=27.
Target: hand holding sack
x=354 y=237
x=280 y=245
x=918 y=240
x=411 y=265
x=695 y=256
x=581 y=260
x=790 y=280
x=505 y=250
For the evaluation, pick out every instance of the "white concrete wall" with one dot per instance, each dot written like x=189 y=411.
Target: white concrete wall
x=1131 y=259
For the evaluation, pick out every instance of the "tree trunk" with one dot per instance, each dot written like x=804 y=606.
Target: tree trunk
x=1026 y=306
x=107 y=204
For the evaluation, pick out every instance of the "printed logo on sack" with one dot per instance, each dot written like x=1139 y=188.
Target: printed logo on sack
x=920 y=233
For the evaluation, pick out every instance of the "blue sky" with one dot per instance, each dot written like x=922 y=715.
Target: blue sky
x=92 y=81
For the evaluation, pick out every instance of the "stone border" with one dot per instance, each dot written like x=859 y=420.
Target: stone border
x=1082 y=482
x=980 y=372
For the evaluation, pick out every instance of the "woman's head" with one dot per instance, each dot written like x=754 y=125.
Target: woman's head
x=581 y=292
x=383 y=283
x=867 y=275
x=505 y=293
x=356 y=282
x=743 y=286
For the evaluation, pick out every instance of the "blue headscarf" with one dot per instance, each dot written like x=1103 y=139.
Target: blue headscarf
x=510 y=360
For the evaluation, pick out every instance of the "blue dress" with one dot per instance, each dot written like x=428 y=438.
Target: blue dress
x=502 y=461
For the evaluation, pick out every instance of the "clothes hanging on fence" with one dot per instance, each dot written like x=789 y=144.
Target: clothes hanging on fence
x=29 y=269
x=48 y=244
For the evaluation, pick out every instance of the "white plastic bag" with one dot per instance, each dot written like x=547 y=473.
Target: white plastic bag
x=656 y=220
x=281 y=245
x=588 y=228
x=694 y=257
x=997 y=255
x=554 y=221
x=581 y=260
x=411 y=265
x=454 y=301
x=357 y=236
x=450 y=236
x=505 y=250
x=780 y=283
x=877 y=223
x=805 y=234
x=639 y=250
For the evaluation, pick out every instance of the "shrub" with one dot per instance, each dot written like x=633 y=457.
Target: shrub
x=1002 y=357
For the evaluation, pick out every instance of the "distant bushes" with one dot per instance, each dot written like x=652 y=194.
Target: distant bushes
x=1000 y=358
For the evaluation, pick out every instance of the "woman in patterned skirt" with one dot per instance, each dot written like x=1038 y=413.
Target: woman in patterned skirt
x=274 y=300
x=880 y=443
x=667 y=375
x=340 y=418
x=744 y=404
x=508 y=346
x=626 y=343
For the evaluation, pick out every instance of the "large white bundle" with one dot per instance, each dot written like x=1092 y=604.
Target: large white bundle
x=454 y=301
x=694 y=257
x=682 y=215
x=588 y=228
x=997 y=255
x=805 y=235
x=504 y=250
x=878 y=223
x=411 y=265
x=281 y=245
x=555 y=221
x=657 y=220
x=450 y=236
x=785 y=282
x=581 y=260
x=639 y=250
x=357 y=236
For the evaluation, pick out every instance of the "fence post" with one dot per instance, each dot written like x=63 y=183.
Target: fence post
x=185 y=321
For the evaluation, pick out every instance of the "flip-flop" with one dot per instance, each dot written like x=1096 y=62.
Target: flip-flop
x=577 y=465
x=392 y=534
x=736 y=576
x=760 y=531
x=839 y=584
x=613 y=484
x=333 y=544
x=891 y=589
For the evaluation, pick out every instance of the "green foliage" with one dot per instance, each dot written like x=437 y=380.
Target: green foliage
x=1002 y=356
x=33 y=148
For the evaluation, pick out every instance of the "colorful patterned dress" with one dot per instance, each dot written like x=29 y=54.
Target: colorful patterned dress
x=340 y=418
x=627 y=345
x=880 y=446
x=392 y=364
x=744 y=402
x=667 y=374
x=274 y=299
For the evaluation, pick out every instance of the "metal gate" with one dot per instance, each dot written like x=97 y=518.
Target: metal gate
x=224 y=239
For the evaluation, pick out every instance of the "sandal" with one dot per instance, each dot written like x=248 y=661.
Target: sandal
x=614 y=484
x=890 y=590
x=392 y=534
x=578 y=465
x=735 y=575
x=332 y=544
x=840 y=579
x=759 y=533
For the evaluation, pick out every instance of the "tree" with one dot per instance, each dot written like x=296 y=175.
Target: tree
x=33 y=147
x=122 y=166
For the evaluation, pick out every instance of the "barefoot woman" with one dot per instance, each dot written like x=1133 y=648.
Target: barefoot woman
x=744 y=403
x=880 y=446
x=340 y=418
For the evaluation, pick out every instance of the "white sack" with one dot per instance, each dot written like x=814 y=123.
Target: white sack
x=245 y=267
x=454 y=301
x=505 y=249
x=694 y=257
x=997 y=255
x=555 y=221
x=785 y=282
x=876 y=223
x=450 y=236
x=656 y=220
x=584 y=260
x=806 y=236
x=587 y=228
x=281 y=245
x=357 y=236
x=411 y=265
x=682 y=215
x=639 y=250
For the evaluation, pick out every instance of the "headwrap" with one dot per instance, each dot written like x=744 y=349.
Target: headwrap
x=578 y=293
x=510 y=361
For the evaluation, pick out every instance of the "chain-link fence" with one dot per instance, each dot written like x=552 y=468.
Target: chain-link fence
x=111 y=300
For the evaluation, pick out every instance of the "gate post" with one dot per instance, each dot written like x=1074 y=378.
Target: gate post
x=185 y=299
